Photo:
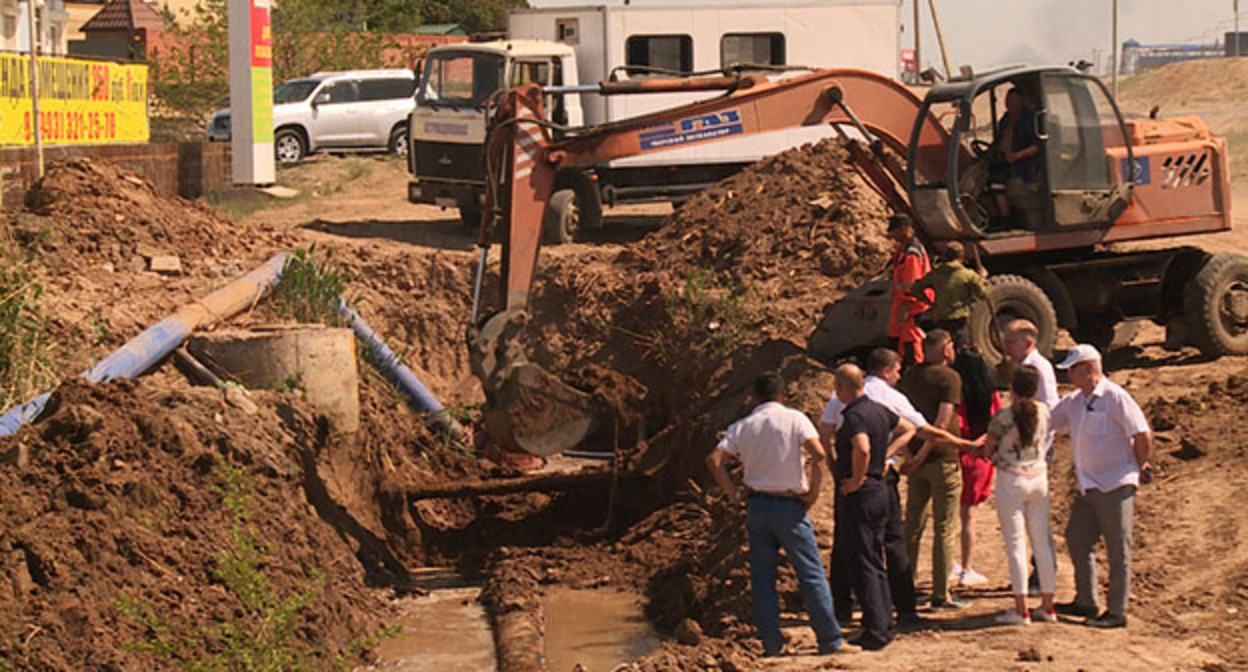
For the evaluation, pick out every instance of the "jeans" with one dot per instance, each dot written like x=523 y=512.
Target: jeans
x=1023 y=509
x=1096 y=514
x=773 y=523
x=939 y=481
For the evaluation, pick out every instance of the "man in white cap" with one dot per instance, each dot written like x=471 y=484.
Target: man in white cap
x=1110 y=439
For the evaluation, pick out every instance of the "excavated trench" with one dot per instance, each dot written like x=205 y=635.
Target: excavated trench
x=730 y=287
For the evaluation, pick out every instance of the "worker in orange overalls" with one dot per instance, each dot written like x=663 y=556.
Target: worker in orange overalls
x=910 y=262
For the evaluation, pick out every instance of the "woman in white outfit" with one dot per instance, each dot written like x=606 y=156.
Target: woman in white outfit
x=1016 y=444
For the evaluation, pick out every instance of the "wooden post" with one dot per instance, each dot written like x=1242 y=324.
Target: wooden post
x=940 y=38
x=1114 y=58
x=918 y=60
x=35 y=125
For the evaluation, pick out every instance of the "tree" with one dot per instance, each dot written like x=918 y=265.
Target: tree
x=190 y=68
x=475 y=15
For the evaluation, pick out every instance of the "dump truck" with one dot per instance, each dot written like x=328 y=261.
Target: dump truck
x=567 y=46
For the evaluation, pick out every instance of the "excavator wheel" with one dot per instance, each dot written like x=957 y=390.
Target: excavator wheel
x=1217 y=301
x=1013 y=297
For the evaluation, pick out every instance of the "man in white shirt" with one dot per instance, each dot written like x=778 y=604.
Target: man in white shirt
x=883 y=372
x=1111 y=441
x=783 y=456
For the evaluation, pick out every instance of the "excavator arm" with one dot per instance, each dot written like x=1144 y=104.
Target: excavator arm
x=530 y=409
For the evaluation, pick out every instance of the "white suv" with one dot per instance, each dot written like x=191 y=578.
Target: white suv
x=364 y=109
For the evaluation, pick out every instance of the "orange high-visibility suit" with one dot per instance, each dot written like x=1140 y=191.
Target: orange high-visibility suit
x=910 y=263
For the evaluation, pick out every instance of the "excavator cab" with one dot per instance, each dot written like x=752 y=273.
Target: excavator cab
x=1032 y=151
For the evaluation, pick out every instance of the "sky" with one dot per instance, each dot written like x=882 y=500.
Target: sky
x=986 y=33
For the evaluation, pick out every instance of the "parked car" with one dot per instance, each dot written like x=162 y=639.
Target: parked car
x=357 y=110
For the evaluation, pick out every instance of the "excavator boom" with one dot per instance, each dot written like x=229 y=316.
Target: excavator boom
x=530 y=409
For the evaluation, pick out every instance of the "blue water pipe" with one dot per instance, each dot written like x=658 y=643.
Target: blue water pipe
x=143 y=351
x=155 y=343
x=419 y=398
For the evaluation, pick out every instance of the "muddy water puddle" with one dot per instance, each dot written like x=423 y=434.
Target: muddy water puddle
x=444 y=631
x=597 y=629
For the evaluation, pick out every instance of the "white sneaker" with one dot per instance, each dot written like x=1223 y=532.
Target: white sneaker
x=1012 y=617
x=1046 y=616
x=955 y=574
x=971 y=577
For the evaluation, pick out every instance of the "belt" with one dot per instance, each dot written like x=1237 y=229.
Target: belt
x=755 y=494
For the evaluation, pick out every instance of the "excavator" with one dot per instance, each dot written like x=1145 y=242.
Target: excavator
x=1073 y=247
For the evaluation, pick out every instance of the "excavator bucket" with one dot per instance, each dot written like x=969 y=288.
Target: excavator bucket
x=856 y=322
x=527 y=408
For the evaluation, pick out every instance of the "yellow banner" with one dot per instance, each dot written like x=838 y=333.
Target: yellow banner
x=80 y=102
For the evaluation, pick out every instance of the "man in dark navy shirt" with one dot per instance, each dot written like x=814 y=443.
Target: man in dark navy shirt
x=867 y=435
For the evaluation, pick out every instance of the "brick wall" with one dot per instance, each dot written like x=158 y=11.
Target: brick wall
x=188 y=168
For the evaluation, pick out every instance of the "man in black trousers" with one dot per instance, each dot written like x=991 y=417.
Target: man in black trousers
x=866 y=434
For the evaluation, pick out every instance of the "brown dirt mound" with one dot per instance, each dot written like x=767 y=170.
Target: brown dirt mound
x=118 y=500
x=1188 y=84
x=798 y=221
x=97 y=212
x=1197 y=590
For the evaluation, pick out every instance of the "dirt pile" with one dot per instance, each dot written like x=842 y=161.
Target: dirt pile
x=789 y=226
x=1187 y=85
x=1197 y=589
x=96 y=212
x=123 y=530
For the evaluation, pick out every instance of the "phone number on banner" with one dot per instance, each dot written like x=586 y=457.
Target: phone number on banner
x=71 y=126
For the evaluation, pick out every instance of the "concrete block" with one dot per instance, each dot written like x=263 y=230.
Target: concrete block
x=167 y=264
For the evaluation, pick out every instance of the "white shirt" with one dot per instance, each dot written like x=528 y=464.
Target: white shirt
x=768 y=442
x=878 y=390
x=1101 y=426
x=1047 y=391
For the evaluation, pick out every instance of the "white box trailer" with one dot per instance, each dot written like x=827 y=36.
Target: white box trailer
x=634 y=41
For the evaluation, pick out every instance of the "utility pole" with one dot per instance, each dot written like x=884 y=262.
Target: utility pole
x=1113 y=59
x=940 y=37
x=34 y=86
x=918 y=61
x=1238 y=52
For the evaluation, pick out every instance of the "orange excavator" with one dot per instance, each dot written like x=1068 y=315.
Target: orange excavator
x=1051 y=237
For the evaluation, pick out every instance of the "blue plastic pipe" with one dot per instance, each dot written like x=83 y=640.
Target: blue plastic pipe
x=143 y=351
x=419 y=398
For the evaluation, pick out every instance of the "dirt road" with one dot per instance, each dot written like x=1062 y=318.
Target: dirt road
x=1189 y=542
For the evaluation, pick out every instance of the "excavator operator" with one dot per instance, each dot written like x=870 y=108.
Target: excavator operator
x=1016 y=159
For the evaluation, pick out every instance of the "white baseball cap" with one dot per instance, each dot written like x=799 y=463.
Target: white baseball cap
x=1079 y=354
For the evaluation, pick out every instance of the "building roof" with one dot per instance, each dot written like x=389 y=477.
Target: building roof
x=126 y=15
x=440 y=29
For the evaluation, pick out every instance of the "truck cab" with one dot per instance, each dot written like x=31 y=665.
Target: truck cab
x=448 y=125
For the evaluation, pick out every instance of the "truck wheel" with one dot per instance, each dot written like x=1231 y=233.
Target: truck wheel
x=1013 y=297
x=561 y=219
x=470 y=216
x=588 y=206
x=1217 y=301
x=288 y=146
